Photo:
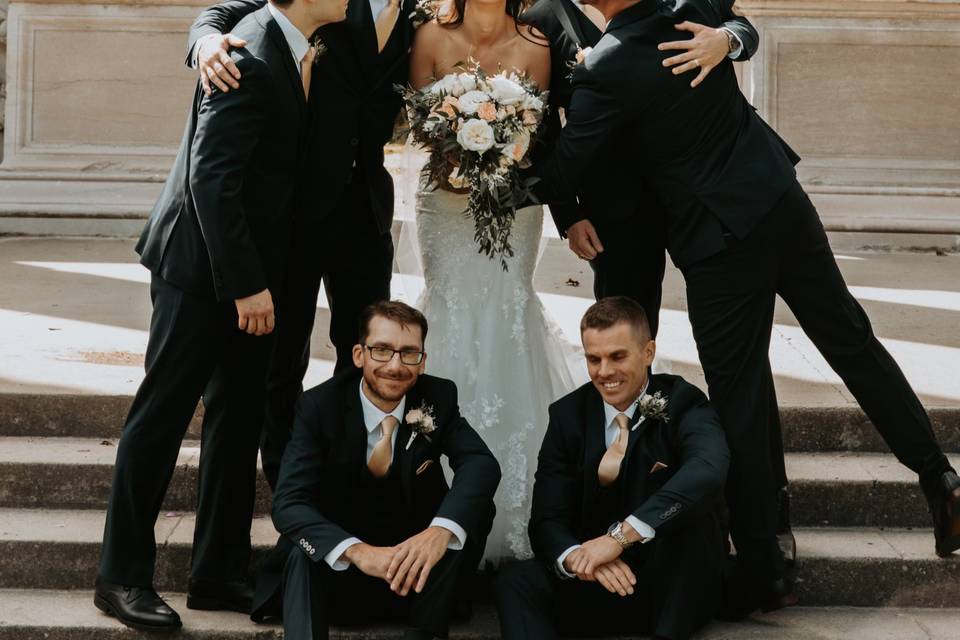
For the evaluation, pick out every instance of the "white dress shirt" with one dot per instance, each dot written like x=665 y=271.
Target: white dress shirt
x=611 y=430
x=738 y=47
x=372 y=417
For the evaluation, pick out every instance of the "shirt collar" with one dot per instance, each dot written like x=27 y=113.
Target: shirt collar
x=297 y=42
x=372 y=416
x=610 y=412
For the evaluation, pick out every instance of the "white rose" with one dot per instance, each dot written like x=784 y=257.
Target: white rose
x=471 y=100
x=449 y=85
x=468 y=80
x=476 y=135
x=506 y=91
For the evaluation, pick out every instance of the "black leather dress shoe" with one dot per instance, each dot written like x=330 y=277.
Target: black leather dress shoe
x=785 y=539
x=137 y=607
x=236 y=596
x=945 y=509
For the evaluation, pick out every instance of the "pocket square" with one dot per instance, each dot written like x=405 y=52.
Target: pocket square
x=657 y=466
x=423 y=467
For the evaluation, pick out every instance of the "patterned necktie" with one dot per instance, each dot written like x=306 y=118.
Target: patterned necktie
x=382 y=454
x=306 y=69
x=613 y=458
x=385 y=21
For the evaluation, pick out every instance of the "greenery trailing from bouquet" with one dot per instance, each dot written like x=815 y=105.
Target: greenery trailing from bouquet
x=479 y=130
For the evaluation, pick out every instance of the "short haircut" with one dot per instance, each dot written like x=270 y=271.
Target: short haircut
x=614 y=310
x=394 y=310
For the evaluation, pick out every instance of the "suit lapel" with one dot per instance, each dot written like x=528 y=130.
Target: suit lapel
x=594 y=446
x=286 y=58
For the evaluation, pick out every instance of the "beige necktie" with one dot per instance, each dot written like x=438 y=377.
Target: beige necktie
x=385 y=21
x=306 y=69
x=613 y=458
x=382 y=454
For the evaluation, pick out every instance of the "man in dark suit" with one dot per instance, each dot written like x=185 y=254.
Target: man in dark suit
x=342 y=236
x=623 y=520
x=618 y=229
x=215 y=244
x=376 y=532
x=626 y=253
x=742 y=231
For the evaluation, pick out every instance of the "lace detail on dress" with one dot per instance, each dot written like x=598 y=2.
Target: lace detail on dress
x=490 y=334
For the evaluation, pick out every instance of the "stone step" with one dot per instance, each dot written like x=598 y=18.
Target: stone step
x=827 y=489
x=93 y=416
x=34 y=473
x=41 y=549
x=70 y=615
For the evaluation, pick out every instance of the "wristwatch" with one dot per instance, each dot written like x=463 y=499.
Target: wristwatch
x=616 y=532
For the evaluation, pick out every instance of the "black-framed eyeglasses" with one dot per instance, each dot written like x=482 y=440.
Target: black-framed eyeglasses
x=385 y=354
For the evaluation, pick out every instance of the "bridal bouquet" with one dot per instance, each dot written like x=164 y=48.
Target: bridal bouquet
x=479 y=129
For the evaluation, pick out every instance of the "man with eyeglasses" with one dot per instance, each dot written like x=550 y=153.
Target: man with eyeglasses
x=371 y=527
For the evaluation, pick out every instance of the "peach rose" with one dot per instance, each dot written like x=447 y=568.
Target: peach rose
x=487 y=111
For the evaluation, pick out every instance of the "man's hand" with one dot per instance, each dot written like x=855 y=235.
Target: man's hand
x=593 y=554
x=373 y=561
x=214 y=62
x=583 y=240
x=415 y=558
x=616 y=577
x=255 y=313
x=705 y=50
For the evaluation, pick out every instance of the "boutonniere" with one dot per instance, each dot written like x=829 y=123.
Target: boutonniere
x=423 y=12
x=317 y=43
x=582 y=53
x=653 y=407
x=421 y=421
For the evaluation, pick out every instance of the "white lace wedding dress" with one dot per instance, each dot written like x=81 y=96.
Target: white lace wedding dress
x=490 y=334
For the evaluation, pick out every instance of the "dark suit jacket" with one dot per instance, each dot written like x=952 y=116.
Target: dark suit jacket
x=353 y=103
x=603 y=199
x=222 y=224
x=691 y=443
x=713 y=164
x=320 y=472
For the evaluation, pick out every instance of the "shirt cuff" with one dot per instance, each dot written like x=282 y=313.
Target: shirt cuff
x=335 y=558
x=459 y=535
x=561 y=570
x=738 y=48
x=646 y=531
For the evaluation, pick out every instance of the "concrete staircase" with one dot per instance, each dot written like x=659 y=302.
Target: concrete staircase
x=867 y=567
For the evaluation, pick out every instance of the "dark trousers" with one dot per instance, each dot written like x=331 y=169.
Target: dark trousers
x=195 y=349
x=731 y=297
x=347 y=252
x=315 y=596
x=678 y=590
x=632 y=265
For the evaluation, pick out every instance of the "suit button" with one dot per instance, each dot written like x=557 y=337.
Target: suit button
x=354 y=142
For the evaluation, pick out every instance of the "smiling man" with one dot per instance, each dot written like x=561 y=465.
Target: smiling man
x=376 y=532
x=628 y=479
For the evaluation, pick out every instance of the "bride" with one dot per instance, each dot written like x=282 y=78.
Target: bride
x=488 y=331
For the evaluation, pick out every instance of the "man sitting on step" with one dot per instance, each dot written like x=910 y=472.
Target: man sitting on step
x=374 y=530
x=623 y=521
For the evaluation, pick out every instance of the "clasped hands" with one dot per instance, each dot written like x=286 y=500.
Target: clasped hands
x=598 y=560
x=405 y=566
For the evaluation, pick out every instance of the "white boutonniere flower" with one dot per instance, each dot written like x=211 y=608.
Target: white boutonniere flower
x=653 y=407
x=421 y=421
x=317 y=43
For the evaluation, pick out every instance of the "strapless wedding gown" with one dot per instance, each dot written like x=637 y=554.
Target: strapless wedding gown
x=490 y=334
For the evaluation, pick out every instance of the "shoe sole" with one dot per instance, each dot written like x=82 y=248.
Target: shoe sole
x=108 y=609
x=200 y=603
x=952 y=542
